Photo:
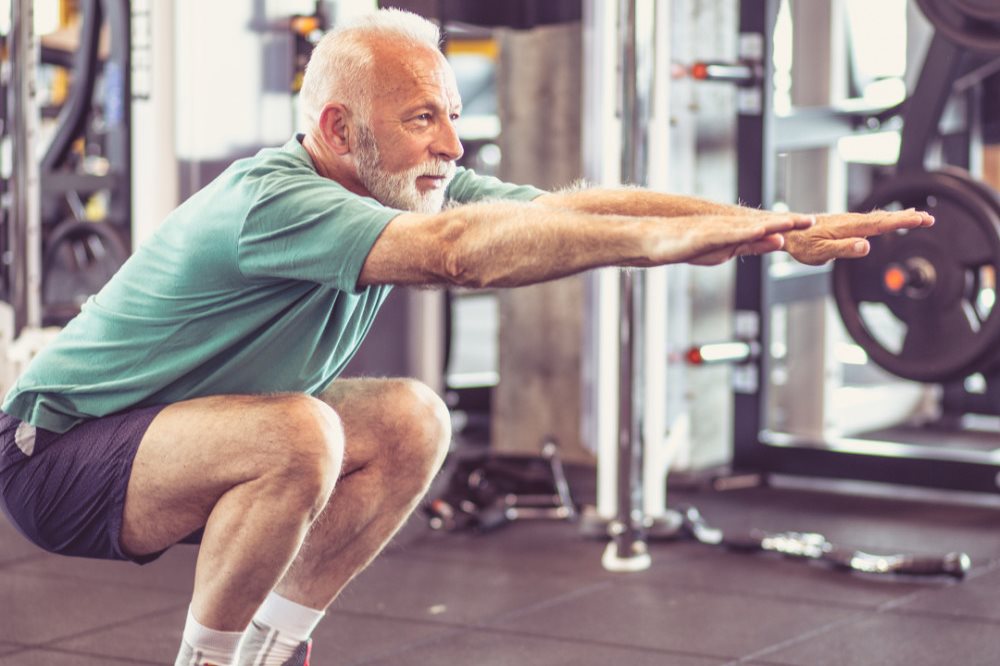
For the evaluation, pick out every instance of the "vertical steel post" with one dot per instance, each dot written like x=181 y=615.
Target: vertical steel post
x=628 y=550
x=600 y=141
x=755 y=188
x=26 y=203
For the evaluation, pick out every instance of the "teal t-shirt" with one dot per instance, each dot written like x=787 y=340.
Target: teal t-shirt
x=250 y=286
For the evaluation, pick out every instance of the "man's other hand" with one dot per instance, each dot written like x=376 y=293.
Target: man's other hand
x=844 y=235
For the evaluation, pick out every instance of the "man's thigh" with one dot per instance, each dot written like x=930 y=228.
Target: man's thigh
x=197 y=450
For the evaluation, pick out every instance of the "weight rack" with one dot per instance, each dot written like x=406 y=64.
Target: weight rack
x=756 y=452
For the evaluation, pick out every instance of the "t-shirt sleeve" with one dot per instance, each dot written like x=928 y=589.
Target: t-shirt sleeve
x=310 y=229
x=467 y=186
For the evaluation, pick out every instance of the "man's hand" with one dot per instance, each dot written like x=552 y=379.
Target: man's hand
x=843 y=235
x=706 y=240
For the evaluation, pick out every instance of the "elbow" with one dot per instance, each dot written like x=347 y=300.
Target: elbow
x=459 y=269
x=460 y=264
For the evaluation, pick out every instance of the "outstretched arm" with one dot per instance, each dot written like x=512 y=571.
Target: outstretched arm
x=507 y=244
x=834 y=236
x=640 y=202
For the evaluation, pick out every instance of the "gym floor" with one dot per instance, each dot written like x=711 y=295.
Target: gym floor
x=535 y=593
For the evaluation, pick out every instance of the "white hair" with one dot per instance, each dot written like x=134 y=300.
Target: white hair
x=340 y=65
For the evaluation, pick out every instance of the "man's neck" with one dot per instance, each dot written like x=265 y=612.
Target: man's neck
x=331 y=166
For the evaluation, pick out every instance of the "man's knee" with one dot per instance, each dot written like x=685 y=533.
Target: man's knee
x=422 y=420
x=309 y=443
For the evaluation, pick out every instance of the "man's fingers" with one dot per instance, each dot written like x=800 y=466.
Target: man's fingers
x=776 y=224
x=884 y=221
x=804 y=221
x=849 y=248
x=926 y=219
x=722 y=237
x=849 y=225
x=800 y=221
x=767 y=244
x=911 y=218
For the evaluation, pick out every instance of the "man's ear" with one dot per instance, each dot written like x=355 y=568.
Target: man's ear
x=334 y=127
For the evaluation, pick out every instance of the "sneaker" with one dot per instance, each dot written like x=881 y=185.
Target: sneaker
x=301 y=655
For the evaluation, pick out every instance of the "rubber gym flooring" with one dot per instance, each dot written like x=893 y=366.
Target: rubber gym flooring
x=535 y=593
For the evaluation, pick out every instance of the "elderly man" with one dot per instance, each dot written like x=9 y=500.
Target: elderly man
x=194 y=398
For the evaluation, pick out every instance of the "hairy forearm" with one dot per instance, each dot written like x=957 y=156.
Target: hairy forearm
x=513 y=244
x=507 y=244
x=640 y=202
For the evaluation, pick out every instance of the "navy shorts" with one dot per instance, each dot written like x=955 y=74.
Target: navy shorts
x=66 y=492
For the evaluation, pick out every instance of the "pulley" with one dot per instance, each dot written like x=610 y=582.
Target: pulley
x=922 y=304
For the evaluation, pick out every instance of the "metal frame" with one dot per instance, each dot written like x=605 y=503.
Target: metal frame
x=756 y=451
x=755 y=188
x=58 y=178
x=21 y=200
x=629 y=402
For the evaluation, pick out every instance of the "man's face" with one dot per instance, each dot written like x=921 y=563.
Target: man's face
x=405 y=155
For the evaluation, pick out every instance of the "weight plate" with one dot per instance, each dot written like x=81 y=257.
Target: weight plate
x=972 y=24
x=989 y=194
x=983 y=10
x=78 y=259
x=922 y=303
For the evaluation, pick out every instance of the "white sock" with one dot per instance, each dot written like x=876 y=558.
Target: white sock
x=290 y=618
x=278 y=629
x=202 y=645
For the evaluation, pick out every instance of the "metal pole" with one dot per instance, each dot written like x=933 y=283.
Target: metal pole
x=755 y=184
x=26 y=192
x=600 y=140
x=628 y=550
x=155 y=171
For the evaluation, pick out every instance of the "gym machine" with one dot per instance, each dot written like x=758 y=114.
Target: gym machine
x=942 y=285
x=86 y=171
x=921 y=306
x=66 y=216
x=472 y=499
x=634 y=523
x=644 y=290
x=20 y=224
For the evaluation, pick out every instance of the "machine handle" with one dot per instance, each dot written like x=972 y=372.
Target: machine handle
x=953 y=564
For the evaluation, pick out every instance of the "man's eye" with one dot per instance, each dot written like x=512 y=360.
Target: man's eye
x=424 y=116
x=455 y=116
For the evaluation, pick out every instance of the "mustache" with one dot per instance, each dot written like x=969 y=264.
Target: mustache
x=436 y=168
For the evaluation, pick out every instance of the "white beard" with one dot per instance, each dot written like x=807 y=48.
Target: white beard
x=399 y=190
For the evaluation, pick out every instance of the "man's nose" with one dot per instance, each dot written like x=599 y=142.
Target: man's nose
x=447 y=145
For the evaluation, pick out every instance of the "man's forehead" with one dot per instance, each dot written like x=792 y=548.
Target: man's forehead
x=406 y=77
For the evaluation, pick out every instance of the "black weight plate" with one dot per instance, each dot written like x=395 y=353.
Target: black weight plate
x=945 y=338
x=993 y=196
x=972 y=24
x=78 y=259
